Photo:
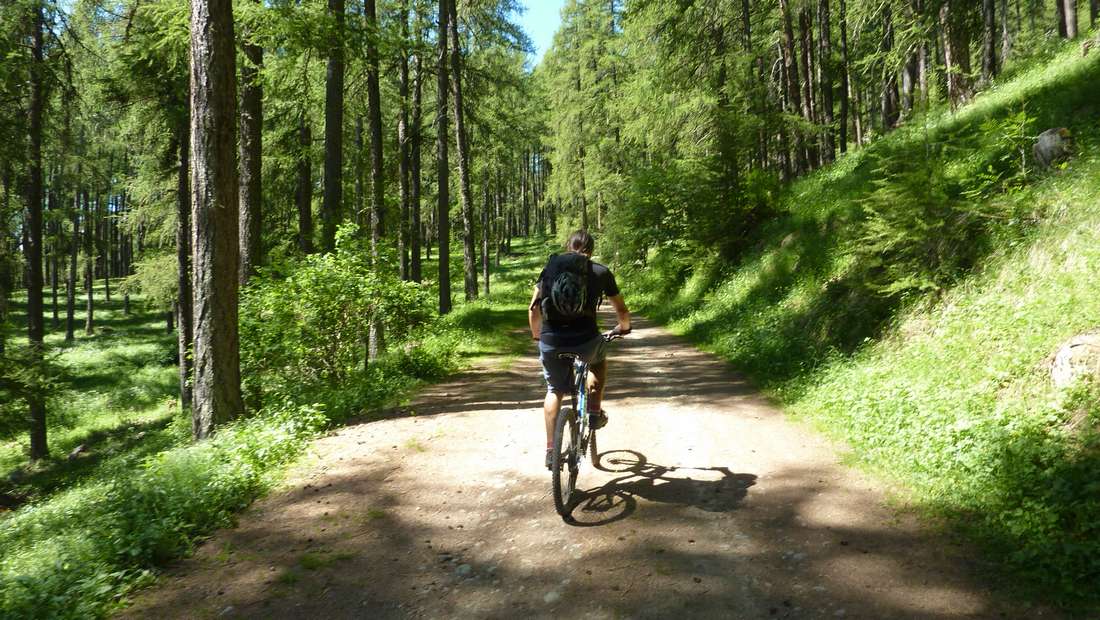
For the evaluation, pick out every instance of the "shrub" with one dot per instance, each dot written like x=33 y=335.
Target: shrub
x=311 y=325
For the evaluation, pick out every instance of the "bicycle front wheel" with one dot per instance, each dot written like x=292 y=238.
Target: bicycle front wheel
x=564 y=461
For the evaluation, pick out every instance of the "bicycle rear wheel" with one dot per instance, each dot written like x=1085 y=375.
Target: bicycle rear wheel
x=564 y=461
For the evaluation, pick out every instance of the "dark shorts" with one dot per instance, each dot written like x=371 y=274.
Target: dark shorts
x=558 y=372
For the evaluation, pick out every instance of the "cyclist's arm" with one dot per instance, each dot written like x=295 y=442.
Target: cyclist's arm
x=621 y=312
x=534 y=316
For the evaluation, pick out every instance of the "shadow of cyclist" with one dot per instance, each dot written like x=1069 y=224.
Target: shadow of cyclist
x=694 y=487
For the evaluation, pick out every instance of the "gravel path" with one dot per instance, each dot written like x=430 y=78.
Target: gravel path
x=708 y=504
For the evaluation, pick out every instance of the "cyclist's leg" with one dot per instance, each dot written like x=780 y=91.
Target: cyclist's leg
x=556 y=373
x=596 y=355
x=597 y=380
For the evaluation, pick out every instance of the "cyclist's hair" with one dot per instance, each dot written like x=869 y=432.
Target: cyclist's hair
x=580 y=241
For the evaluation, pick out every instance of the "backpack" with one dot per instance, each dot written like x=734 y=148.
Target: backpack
x=565 y=288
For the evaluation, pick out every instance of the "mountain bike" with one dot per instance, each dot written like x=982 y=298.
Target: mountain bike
x=574 y=436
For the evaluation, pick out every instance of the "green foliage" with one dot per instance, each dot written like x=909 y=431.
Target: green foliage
x=72 y=557
x=906 y=301
x=156 y=279
x=309 y=326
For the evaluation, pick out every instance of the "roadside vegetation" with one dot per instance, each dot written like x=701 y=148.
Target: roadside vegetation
x=140 y=493
x=908 y=300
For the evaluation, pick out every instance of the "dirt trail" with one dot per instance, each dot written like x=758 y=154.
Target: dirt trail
x=712 y=505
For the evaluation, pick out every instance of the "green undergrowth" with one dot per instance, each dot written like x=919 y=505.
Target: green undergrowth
x=907 y=301
x=98 y=526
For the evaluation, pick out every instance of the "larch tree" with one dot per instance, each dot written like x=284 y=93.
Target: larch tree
x=214 y=200
x=251 y=156
x=443 y=205
x=332 y=205
x=32 y=198
x=469 y=259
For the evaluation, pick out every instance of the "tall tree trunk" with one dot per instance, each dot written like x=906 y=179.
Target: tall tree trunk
x=469 y=259
x=304 y=190
x=89 y=265
x=1070 y=11
x=845 y=77
x=214 y=196
x=790 y=65
x=403 y=162
x=443 y=216
x=334 y=132
x=377 y=194
x=890 y=77
x=36 y=400
x=359 y=166
x=825 y=61
x=1060 y=15
x=70 y=283
x=251 y=144
x=1006 y=32
x=809 y=112
x=989 y=40
x=956 y=54
x=486 y=233
x=416 y=130
x=185 y=321
x=1094 y=11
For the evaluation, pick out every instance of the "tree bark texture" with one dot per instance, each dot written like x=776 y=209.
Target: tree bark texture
x=469 y=259
x=403 y=145
x=844 y=77
x=185 y=321
x=251 y=144
x=32 y=195
x=377 y=194
x=414 y=163
x=1070 y=11
x=794 y=97
x=214 y=226
x=89 y=265
x=333 y=199
x=890 y=77
x=443 y=204
x=825 y=61
x=989 y=40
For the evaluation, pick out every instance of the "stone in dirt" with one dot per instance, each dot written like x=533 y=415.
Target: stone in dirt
x=1076 y=358
x=1053 y=147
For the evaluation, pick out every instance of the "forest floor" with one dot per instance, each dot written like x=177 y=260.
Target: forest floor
x=707 y=502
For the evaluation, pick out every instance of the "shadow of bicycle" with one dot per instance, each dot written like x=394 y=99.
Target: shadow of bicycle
x=696 y=487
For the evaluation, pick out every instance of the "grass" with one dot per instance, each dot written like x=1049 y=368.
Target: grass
x=96 y=527
x=945 y=391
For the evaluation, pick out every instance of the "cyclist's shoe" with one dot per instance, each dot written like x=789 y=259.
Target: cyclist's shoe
x=599 y=419
x=549 y=458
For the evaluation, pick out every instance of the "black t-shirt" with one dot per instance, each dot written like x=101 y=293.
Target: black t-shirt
x=579 y=331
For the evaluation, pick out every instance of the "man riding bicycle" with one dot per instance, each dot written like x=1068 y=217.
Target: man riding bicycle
x=562 y=316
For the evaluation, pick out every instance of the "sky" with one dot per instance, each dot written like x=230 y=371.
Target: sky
x=540 y=22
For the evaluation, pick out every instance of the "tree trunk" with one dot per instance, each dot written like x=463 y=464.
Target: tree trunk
x=989 y=40
x=469 y=259
x=89 y=265
x=809 y=112
x=443 y=206
x=251 y=145
x=1094 y=11
x=414 y=162
x=825 y=61
x=790 y=67
x=1071 y=18
x=186 y=332
x=486 y=233
x=403 y=162
x=377 y=343
x=1006 y=33
x=890 y=77
x=36 y=400
x=1060 y=15
x=70 y=283
x=304 y=190
x=214 y=196
x=334 y=132
x=844 y=77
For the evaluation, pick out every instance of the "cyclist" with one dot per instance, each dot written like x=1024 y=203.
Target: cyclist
x=562 y=317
